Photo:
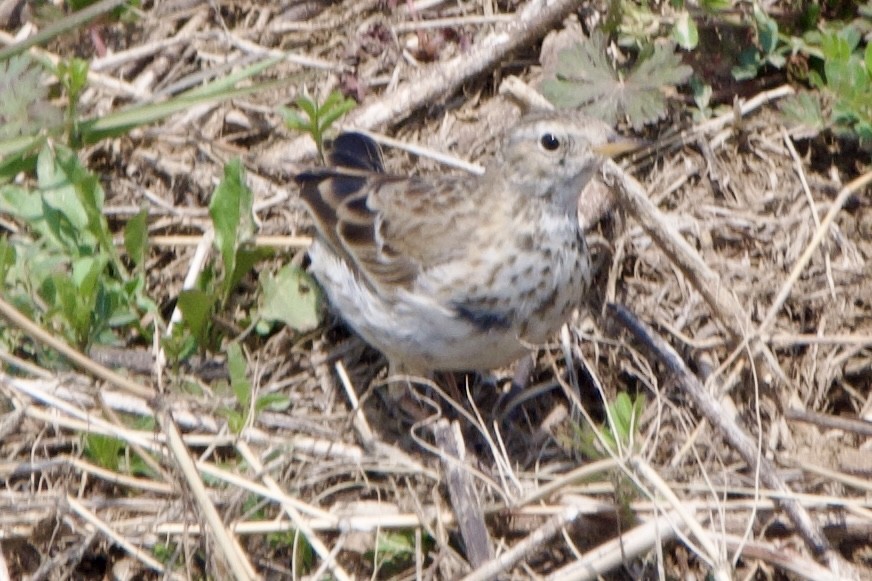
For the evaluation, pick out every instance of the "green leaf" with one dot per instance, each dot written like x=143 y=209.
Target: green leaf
x=7 y=259
x=702 y=93
x=749 y=64
x=86 y=274
x=309 y=106
x=868 y=59
x=391 y=545
x=333 y=99
x=276 y=402
x=65 y=300
x=246 y=258
x=863 y=129
x=816 y=80
x=767 y=31
x=238 y=369
x=105 y=451
x=685 y=32
x=74 y=76
x=59 y=194
x=716 y=5
x=294 y=120
x=292 y=297
x=232 y=216
x=235 y=420
x=393 y=552
x=586 y=80
x=196 y=307
x=776 y=60
x=91 y=197
x=179 y=346
x=333 y=108
x=136 y=237
x=852 y=36
x=25 y=109
x=619 y=412
x=803 y=112
x=835 y=47
x=847 y=78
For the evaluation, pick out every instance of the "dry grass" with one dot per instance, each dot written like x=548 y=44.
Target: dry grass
x=343 y=477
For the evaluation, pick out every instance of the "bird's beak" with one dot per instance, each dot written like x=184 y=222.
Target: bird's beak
x=618 y=145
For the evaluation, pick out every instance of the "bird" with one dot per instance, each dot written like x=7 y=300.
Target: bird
x=458 y=272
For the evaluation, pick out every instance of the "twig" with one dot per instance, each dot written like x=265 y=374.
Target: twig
x=372 y=444
x=433 y=82
x=118 y=539
x=732 y=433
x=37 y=333
x=532 y=543
x=96 y=79
x=411 y=25
x=198 y=261
x=274 y=241
x=854 y=186
x=856 y=426
x=464 y=501
x=781 y=557
x=317 y=544
x=613 y=553
x=631 y=196
x=229 y=551
x=800 y=173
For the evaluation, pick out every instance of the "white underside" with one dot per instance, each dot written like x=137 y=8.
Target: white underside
x=415 y=331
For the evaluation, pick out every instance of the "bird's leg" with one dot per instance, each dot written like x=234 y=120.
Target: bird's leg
x=520 y=381
x=404 y=392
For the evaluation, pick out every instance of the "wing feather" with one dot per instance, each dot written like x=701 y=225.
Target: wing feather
x=389 y=228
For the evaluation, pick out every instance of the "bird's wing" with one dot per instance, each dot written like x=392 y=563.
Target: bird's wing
x=389 y=228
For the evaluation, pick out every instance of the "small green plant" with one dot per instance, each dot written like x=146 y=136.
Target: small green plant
x=839 y=68
x=637 y=25
x=26 y=114
x=768 y=50
x=239 y=416
x=231 y=210
x=618 y=434
x=290 y=296
x=395 y=551
x=114 y=454
x=104 y=451
x=315 y=119
x=702 y=95
x=844 y=101
x=586 y=80
x=63 y=269
x=73 y=75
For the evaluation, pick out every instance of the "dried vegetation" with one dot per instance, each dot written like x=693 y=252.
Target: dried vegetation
x=333 y=487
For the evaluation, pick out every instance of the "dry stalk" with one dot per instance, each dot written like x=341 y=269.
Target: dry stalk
x=532 y=21
x=733 y=434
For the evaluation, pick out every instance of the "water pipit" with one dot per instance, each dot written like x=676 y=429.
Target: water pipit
x=458 y=273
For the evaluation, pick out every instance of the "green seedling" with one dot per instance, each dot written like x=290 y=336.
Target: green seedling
x=315 y=119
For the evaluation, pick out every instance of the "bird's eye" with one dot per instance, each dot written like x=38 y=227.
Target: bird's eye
x=549 y=142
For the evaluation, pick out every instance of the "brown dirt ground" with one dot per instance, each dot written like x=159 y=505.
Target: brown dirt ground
x=737 y=195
